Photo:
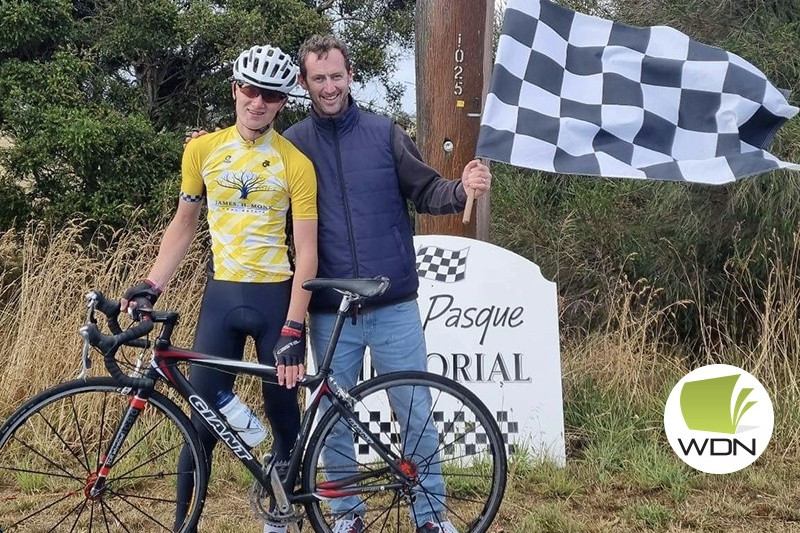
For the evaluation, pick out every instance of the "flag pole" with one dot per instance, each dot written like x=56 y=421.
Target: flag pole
x=468 y=208
x=470 y=200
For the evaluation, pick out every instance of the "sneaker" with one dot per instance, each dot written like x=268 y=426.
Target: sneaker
x=275 y=528
x=441 y=527
x=349 y=525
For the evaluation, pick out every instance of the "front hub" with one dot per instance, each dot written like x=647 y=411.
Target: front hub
x=91 y=480
x=409 y=468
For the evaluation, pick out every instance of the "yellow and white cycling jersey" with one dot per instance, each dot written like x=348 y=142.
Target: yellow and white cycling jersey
x=249 y=187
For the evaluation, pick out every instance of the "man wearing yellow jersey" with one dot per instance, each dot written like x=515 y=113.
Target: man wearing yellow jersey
x=249 y=177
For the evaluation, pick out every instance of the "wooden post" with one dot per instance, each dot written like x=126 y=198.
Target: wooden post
x=453 y=69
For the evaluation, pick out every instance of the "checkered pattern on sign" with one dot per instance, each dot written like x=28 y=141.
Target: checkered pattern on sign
x=509 y=428
x=576 y=94
x=440 y=264
x=458 y=436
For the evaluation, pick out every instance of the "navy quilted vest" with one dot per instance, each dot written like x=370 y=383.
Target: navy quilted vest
x=364 y=226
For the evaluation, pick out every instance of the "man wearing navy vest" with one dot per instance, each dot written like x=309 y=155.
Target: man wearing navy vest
x=367 y=168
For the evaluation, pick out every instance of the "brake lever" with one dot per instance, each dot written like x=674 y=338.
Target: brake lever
x=86 y=361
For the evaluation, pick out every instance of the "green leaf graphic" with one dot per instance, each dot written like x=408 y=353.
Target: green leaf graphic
x=706 y=404
x=737 y=410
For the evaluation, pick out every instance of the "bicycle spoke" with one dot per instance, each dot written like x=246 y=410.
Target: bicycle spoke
x=58 y=435
x=40 y=472
x=441 y=448
x=428 y=420
x=82 y=505
x=40 y=511
x=404 y=439
x=105 y=517
x=102 y=429
x=123 y=495
x=91 y=517
x=146 y=515
x=138 y=441
x=383 y=513
x=453 y=458
x=397 y=517
x=158 y=475
x=144 y=463
x=80 y=433
x=110 y=510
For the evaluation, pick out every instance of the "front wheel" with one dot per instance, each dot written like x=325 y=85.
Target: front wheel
x=51 y=449
x=444 y=440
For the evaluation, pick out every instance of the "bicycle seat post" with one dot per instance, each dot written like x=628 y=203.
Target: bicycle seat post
x=341 y=315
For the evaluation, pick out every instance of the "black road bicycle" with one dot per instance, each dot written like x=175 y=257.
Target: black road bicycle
x=101 y=453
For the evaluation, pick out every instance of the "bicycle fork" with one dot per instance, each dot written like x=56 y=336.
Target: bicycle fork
x=96 y=482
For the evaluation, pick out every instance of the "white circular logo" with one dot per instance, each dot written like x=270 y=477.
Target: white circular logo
x=718 y=419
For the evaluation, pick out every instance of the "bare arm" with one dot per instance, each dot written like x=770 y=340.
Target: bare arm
x=174 y=245
x=176 y=241
x=305 y=244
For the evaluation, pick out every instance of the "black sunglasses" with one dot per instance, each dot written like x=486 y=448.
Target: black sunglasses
x=268 y=95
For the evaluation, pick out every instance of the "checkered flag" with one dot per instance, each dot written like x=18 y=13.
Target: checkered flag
x=440 y=264
x=576 y=94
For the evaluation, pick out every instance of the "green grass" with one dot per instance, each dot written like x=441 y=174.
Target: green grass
x=651 y=515
x=652 y=465
x=550 y=518
x=32 y=483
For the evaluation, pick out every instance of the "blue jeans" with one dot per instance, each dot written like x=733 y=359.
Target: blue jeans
x=396 y=342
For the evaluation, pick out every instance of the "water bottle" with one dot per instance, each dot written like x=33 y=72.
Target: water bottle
x=241 y=418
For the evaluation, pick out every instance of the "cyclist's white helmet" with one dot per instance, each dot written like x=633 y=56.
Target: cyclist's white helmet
x=266 y=67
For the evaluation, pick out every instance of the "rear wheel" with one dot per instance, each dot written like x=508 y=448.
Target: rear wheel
x=51 y=449
x=456 y=471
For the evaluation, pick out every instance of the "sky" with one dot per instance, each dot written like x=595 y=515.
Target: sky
x=404 y=74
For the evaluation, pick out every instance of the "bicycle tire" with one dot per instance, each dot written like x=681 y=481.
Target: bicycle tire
x=470 y=449
x=51 y=447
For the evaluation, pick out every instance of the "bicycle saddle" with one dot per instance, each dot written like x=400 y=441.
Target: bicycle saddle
x=363 y=287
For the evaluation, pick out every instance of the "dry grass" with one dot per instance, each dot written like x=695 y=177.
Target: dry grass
x=619 y=476
x=42 y=311
x=627 y=352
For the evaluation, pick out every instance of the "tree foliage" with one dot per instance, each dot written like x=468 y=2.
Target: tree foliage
x=95 y=96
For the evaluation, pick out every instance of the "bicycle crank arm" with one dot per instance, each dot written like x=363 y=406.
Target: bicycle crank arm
x=281 y=501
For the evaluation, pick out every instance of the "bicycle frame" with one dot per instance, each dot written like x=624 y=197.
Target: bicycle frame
x=116 y=450
x=164 y=367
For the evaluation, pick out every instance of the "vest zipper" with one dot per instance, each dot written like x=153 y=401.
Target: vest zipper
x=348 y=219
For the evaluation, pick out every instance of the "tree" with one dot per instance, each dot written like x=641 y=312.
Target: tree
x=95 y=96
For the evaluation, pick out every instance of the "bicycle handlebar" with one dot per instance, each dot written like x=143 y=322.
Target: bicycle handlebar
x=353 y=290
x=109 y=344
